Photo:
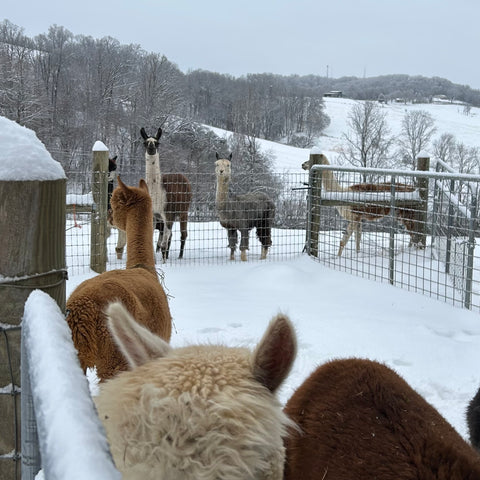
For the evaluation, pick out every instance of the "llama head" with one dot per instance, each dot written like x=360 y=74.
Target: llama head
x=151 y=143
x=124 y=198
x=112 y=167
x=204 y=411
x=223 y=167
x=308 y=164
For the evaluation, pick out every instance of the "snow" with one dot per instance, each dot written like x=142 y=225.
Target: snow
x=23 y=156
x=99 y=146
x=64 y=409
x=431 y=344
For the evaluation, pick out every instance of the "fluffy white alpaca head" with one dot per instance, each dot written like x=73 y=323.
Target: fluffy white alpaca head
x=199 y=412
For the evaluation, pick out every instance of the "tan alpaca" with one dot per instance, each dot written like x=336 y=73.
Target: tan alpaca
x=242 y=212
x=137 y=287
x=355 y=214
x=204 y=412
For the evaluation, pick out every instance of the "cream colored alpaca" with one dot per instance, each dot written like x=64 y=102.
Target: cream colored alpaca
x=355 y=214
x=137 y=286
x=242 y=212
x=201 y=412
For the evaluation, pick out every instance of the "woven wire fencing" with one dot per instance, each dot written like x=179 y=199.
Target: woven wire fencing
x=207 y=241
x=415 y=230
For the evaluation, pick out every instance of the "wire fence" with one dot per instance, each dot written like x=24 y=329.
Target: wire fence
x=207 y=240
x=425 y=248
x=389 y=226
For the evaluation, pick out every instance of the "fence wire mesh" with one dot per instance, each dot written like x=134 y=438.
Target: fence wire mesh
x=417 y=236
x=207 y=240
x=422 y=246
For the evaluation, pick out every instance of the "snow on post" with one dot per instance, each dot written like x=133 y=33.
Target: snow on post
x=72 y=439
x=32 y=242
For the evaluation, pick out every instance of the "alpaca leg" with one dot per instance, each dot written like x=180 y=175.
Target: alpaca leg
x=121 y=242
x=264 y=234
x=183 y=234
x=243 y=244
x=232 y=242
x=166 y=240
x=346 y=236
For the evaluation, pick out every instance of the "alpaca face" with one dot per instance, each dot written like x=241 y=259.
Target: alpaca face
x=202 y=411
x=223 y=169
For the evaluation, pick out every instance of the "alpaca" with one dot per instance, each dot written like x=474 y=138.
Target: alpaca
x=242 y=212
x=198 y=412
x=137 y=286
x=112 y=175
x=358 y=419
x=171 y=196
x=473 y=420
x=355 y=214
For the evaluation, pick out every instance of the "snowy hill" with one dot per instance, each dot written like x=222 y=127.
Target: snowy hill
x=449 y=118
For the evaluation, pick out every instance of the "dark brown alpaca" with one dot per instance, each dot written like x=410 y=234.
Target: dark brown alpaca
x=354 y=214
x=473 y=420
x=359 y=420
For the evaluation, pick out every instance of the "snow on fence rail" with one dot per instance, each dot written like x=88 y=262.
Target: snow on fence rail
x=57 y=408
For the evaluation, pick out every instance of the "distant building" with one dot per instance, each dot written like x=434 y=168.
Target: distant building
x=333 y=93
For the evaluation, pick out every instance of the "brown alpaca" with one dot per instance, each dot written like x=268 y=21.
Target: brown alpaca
x=355 y=214
x=204 y=412
x=137 y=287
x=359 y=420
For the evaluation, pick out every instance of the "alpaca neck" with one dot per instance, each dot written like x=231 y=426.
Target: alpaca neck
x=222 y=191
x=139 y=231
x=330 y=183
x=153 y=175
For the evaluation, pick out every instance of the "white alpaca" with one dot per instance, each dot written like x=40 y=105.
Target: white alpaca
x=354 y=214
x=153 y=177
x=200 y=412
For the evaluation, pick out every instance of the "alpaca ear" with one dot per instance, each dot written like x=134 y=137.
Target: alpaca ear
x=159 y=133
x=143 y=184
x=137 y=344
x=121 y=184
x=273 y=358
x=143 y=133
x=114 y=159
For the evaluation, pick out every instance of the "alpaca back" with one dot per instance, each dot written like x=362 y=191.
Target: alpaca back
x=199 y=412
x=86 y=307
x=178 y=194
x=359 y=419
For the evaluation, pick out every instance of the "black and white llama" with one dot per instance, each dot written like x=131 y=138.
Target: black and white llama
x=242 y=212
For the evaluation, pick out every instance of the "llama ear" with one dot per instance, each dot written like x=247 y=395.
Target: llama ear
x=273 y=358
x=143 y=184
x=230 y=157
x=216 y=155
x=137 y=344
x=114 y=159
x=143 y=133
x=159 y=133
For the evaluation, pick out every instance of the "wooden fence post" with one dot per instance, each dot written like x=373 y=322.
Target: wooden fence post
x=98 y=232
x=314 y=194
x=423 y=165
x=32 y=246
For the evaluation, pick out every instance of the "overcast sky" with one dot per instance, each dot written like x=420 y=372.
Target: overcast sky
x=335 y=38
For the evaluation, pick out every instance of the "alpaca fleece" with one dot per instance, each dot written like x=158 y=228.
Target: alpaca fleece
x=202 y=412
x=360 y=420
x=137 y=286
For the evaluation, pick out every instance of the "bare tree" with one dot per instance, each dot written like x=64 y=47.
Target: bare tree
x=417 y=130
x=368 y=142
